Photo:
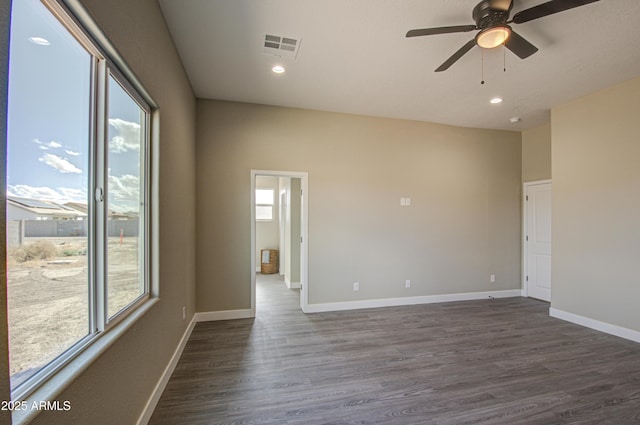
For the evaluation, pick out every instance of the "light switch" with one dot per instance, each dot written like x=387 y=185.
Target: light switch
x=407 y=202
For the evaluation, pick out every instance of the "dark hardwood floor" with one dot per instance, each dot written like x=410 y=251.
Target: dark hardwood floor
x=501 y=361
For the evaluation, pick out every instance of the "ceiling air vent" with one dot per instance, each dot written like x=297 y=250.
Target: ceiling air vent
x=281 y=46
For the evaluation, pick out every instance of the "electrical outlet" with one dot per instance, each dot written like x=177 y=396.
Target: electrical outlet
x=184 y=312
x=407 y=284
x=492 y=278
x=356 y=286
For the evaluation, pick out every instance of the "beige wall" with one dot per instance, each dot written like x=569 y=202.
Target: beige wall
x=463 y=225
x=536 y=153
x=5 y=389
x=596 y=206
x=115 y=388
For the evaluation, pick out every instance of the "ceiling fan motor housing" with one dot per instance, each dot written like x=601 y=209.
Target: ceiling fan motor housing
x=486 y=17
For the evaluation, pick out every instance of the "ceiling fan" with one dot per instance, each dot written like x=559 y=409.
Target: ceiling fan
x=492 y=19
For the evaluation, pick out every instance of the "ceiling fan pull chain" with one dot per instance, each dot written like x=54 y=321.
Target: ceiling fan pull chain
x=482 y=65
x=504 y=57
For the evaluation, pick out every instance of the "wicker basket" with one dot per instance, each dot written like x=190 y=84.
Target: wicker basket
x=271 y=266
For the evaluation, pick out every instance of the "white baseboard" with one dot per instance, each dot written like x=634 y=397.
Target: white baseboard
x=168 y=371
x=212 y=316
x=395 y=302
x=145 y=417
x=615 y=330
x=292 y=285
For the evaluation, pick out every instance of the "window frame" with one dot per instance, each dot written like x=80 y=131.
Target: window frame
x=112 y=71
x=103 y=331
x=262 y=204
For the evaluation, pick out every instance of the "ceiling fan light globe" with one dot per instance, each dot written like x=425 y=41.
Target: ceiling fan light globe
x=493 y=37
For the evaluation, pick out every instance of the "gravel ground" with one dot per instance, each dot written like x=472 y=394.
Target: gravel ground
x=48 y=300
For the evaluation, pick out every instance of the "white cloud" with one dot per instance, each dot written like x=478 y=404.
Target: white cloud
x=60 y=195
x=127 y=137
x=25 y=191
x=46 y=146
x=73 y=193
x=124 y=193
x=61 y=164
x=41 y=145
x=72 y=153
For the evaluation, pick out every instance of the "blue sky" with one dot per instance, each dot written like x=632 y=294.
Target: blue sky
x=48 y=120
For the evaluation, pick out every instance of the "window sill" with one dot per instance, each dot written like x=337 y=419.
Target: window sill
x=53 y=387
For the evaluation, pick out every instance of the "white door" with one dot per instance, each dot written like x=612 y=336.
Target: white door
x=538 y=240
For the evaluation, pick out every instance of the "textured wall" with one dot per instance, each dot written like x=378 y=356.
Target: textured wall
x=536 y=153
x=463 y=225
x=596 y=206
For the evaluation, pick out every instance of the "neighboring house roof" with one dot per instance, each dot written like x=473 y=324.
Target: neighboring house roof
x=44 y=208
x=70 y=210
x=111 y=214
x=121 y=215
x=79 y=206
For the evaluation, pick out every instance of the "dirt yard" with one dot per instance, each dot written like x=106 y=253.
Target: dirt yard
x=48 y=299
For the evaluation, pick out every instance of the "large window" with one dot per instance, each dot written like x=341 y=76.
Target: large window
x=77 y=193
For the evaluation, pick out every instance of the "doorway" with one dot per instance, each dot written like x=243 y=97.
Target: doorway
x=298 y=195
x=537 y=240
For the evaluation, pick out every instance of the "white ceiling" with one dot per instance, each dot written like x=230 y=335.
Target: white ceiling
x=354 y=57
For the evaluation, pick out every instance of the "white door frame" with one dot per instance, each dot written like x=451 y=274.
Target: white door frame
x=284 y=247
x=525 y=217
x=304 y=232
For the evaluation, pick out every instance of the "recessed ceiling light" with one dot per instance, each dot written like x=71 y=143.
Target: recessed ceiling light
x=515 y=119
x=39 y=41
x=496 y=100
x=278 y=69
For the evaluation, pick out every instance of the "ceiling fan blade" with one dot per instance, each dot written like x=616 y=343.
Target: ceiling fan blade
x=502 y=5
x=518 y=45
x=548 y=8
x=457 y=55
x=440 y=30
